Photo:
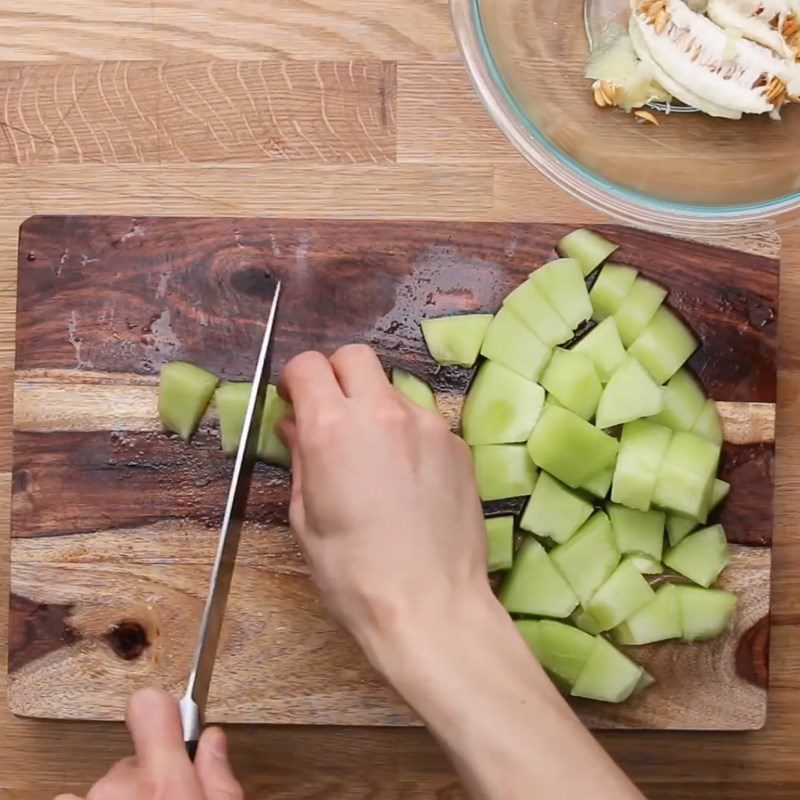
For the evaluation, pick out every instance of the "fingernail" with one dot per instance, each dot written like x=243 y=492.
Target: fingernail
x=219 y=743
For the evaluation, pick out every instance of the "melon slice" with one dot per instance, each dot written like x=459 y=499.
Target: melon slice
x=561 y=282
x=456 y=340
x=636 y=531
x=638 y=308
x=620 y=597
x=705 y=613
x=184 y=392
x=709 y=423
x=270 y=446
x=608 y=675
x=529 y=304
x=500 y=542
x=701 y=556
x=641 y=450
x=414 y=388
x=599 y=484
x=630 y=394
x=503 y=470
x=684 y=401
x=603 y=347
x=610 y=289
x=554 y=511
x=658 y=621
x=231 y=400
x=572 y=379
x=588 y=248
x=664 y=345
x=561 y=649
x=647 y=565
x=511 y=343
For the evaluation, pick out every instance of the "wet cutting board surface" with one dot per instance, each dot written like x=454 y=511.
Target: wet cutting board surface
x=114 y=523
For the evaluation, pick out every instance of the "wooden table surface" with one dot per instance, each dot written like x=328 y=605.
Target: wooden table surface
x=314 y=108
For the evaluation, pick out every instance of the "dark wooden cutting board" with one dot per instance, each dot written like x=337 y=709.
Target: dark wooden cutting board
x=114 y=523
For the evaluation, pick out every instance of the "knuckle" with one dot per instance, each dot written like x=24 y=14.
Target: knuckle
x=393 y=415
x=357 y=350
x=302 y=362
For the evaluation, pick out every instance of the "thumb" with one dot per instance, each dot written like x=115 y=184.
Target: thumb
x=214 y=769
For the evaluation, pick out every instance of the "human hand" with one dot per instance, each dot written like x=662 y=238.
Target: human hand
x=384 y=502
x=161 y=768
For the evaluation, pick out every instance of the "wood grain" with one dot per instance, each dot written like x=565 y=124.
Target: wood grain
x=40 y=759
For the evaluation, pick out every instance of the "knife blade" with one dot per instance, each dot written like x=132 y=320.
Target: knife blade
x=193 y=703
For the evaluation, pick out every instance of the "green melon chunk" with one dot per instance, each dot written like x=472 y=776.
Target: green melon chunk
x=572 y=379
x=414 y=388
x=529 y=630
x=641 y=450
x=679 y=527
x=705 y=613
x=610 y=289
x=500 y=542
x=608 y=675
x=658 y=621
x=630 y=394
x=534 y=585
x=270 y=446
x=701 y=556
x=184 y=392
x=503 y=470
x=647 y=565
x=554 y=510
x=684 y=400
x=588 y=248
x=599 y=484
x=512 y=344
x=637 y=531
x=586 y=622
x=638 y=308
x=561 y=649
x=456 y=340
x=501 y=407
x=231 y=400
x=603 y=347
x=569 y=448
x=589 y=557
x=534 y=310
x=620 y=597
x=664 y=345
x=562 y=284
x=719 y=491
x=686 y=475
x=709 y=423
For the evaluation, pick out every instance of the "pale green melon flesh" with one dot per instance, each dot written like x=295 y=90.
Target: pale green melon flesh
x=701 y=556
x=457 y=340
x=503 y=470
x=562 y=284
x=709 y=423
x=554 y=511
x=572 y=379
x=231 y=400
x=603 y=347
x=500 y=542
x=611 y=287
x=630 y=394
x=534 y=585
x=561 y=649
x=589 y=557
x=705 y=613
x=599 y=484
x=511 y=343
x=588 y=248
x=501 y=407
x=584 y=620
x=414 y=388
x=647 y=565
x=621 y=596
x=638 y=308
x=608 y=675
x=680 y=526
x=684 y=400
x=569 y=448
x=637 y=531
x=658 y=621
x=529 y=304
x=270 y=446
x=641 y=450
x=664 y=346
x=184 y=392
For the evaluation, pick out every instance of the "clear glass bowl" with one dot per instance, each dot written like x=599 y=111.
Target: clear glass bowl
x=692 y=174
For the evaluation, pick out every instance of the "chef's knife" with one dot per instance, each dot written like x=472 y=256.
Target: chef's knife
x=194 y=701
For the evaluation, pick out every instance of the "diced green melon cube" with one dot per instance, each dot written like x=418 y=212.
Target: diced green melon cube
x=535 y=311
x=270 y=446
x=603 y=347
x=638 y=308
x=664 y=345
x=534 y=585
x=630 y=394
x=608 y=675
x=719 y=491
x=562 y=284
x=561 y=649
x=500 y=542
x=684 y=399
x=620 y=597
x=637 y=531
x=701 y=556
x=572 y=379
x=456 y=340
x=599 y=484
x=647 y=565
x=554 y=511
x=588 y=248
x=641 y=450
x=569 y=448
x=503 y=470
x=501 y=407
x=184 y=392
x=414 y=388
x=610 y=289
x=586 y=622
x=705 y=613
x=686 y=475
x=658 y=621
x=589 y=557
x=231 y=400
x=512 y=344
x=679 y=527
x=709 y=423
